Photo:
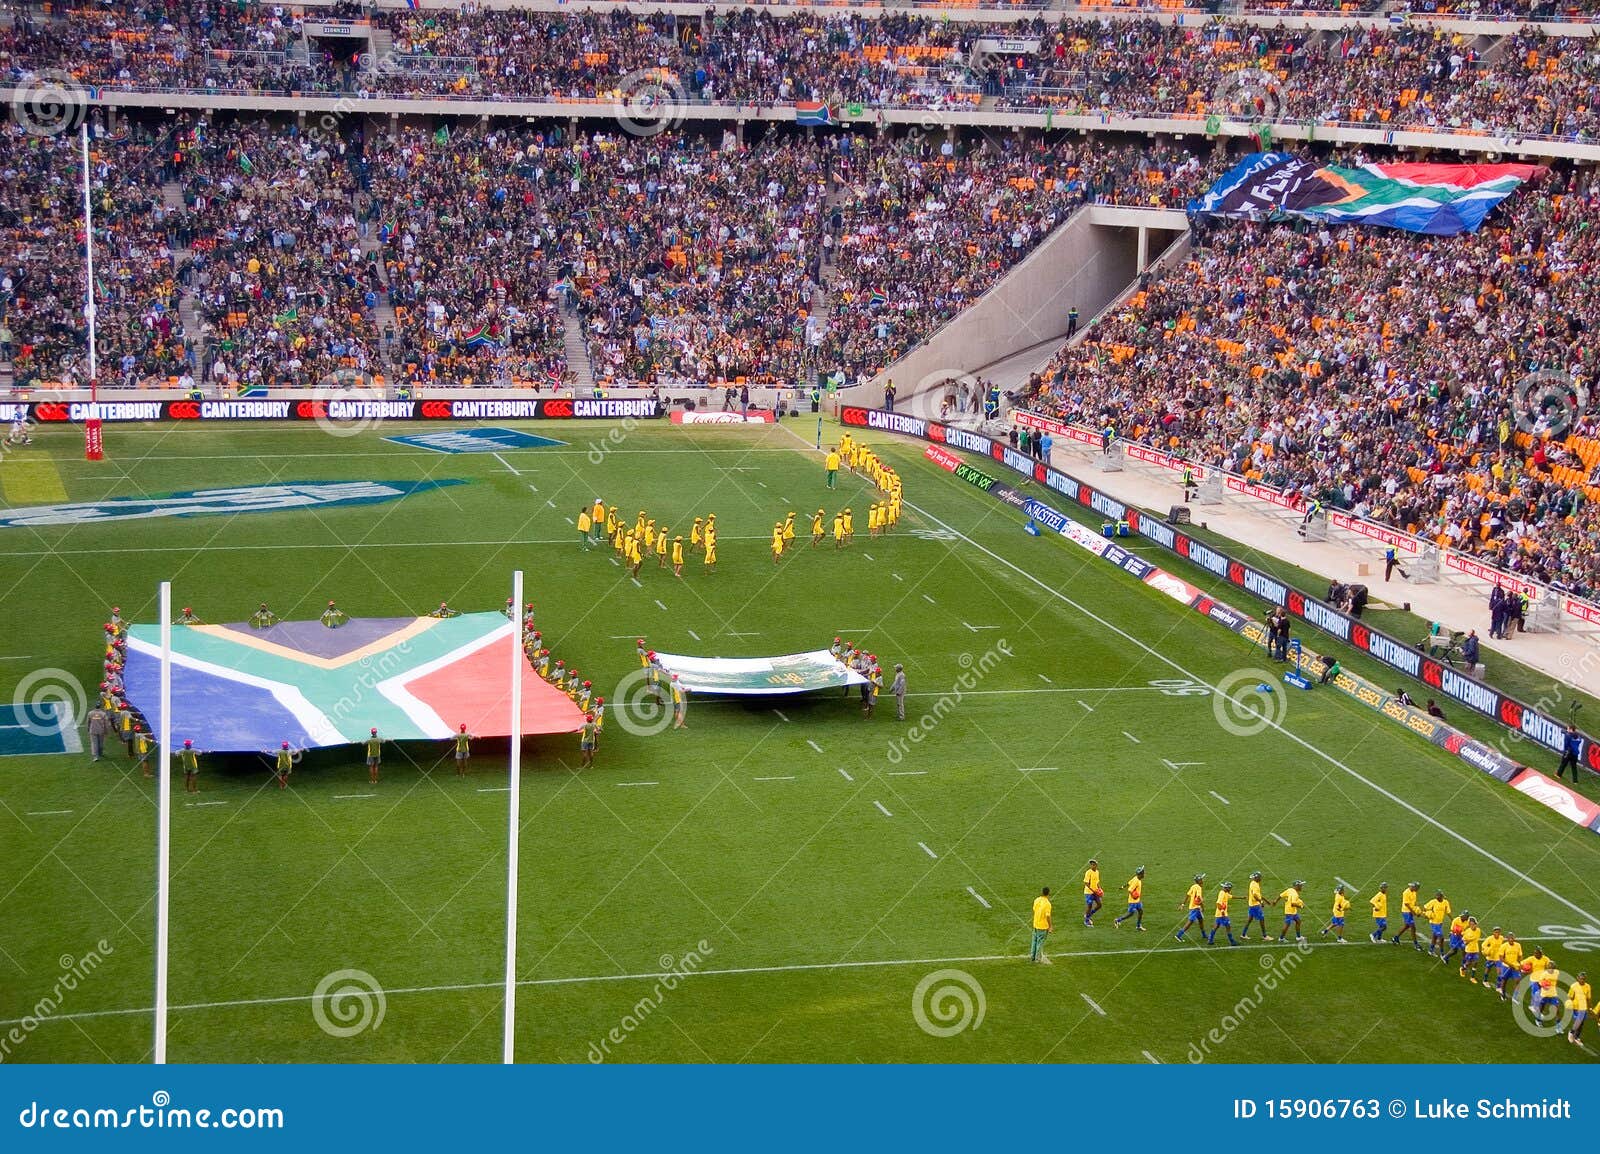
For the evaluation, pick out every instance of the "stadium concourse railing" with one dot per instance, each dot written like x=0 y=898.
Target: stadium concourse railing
x=1484 y=575
x=677 y=113
x=1531 y=722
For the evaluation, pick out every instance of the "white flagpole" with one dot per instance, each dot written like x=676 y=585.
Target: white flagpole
x=163 y=823
x=517 y=662
x=88 y=251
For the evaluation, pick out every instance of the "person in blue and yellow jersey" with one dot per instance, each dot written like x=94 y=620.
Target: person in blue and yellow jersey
x=1380 y=912
x=1294 y=901
x=1135 y=888
x=1458 y=926
x=1255 y=908
x=1223 y=921
x=1494 y=945
x=1093 y=895
x=1472 y=951
x=1194 y=901
x=1580 y=996
x=1510 y=965
x=1341 y=907
x=1410 y=911
x=1437 y=910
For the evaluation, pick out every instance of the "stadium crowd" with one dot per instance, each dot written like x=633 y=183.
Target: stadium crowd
x=1415 y=76
x=1439 y=385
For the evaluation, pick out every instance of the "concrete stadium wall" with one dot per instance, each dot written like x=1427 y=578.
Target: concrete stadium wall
x=1085 y=263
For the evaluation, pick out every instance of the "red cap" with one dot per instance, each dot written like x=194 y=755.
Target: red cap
x=599 y=701
x=674 y=677
x=586 y=685
x=463 y=727
x=285 y=744
x=374 y=731
x=330 y=603
x=651 y=655
x=638 y=641
x=186 y=609
x=188 y=744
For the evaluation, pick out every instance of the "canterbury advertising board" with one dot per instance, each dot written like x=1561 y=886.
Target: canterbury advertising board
x=334 y=409
x=1447 y=682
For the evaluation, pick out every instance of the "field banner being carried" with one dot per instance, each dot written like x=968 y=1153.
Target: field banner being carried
x=1438 y=199
x=741 y=676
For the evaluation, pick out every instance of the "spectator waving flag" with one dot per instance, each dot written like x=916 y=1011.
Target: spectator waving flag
x=812 y=112
x=1438 y=199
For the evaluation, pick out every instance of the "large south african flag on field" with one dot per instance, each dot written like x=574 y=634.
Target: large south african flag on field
x=1439 y=199
x=238 y=689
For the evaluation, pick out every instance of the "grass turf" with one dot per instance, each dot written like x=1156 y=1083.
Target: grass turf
x=815 y=904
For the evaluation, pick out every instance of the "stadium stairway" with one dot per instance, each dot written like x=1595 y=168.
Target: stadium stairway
x=577 y=352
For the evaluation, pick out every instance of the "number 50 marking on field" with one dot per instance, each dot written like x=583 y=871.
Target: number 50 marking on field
x=1179 y=687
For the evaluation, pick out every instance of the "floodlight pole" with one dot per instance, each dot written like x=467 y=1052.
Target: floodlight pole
x=517 y=662
x=163 y=824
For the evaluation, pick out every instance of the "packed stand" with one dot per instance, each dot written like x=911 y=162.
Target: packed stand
x=274 y=223
x=1419 y=381
x=42 y=277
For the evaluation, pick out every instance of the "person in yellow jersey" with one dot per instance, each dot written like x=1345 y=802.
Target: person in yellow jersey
x=638 y=524
x=777 y=542
x=1437 y=911
x=1341 y=907
x=1294 y=901
x=1471 y=950
x=872 y=520
x=662 y=545
x=817 y=530
x=463 y=741
x=144 y=744
x=1579 y=998
x=1458 y=927
x=284 y=765
x=680 y=704
x=1223 y=921
x=838 y=530
x=788 y=530
x=695 y=533
x=617 y=540
x=374 y=756
x=189 y=762
x=849 y=525
x=1510 y=964
x=1135 y=888
x=1410 y=911
x=832 y=466
x=642 y=652
x=677 y=556
x=597 y=514
x=1092 y=893
x=1195 y=902
x=1042 y=925
x=1380 y=912
x=636 y=557
x=650 y=535
x=1255 y=909
x=585 y=528
x=711 y=555
x=613 y=522
x=1547 y=993
x=1494 y=948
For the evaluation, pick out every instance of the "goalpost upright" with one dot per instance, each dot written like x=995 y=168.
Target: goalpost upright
x=515 y=817
x=163 y=823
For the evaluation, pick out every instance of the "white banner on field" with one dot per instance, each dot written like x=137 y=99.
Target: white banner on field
x=740 y=676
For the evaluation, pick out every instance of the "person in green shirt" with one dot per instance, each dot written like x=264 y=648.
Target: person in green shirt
x=463 y=750
x=374 y=756
x=144 y=745
x=189 y=762
x=285 y=765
